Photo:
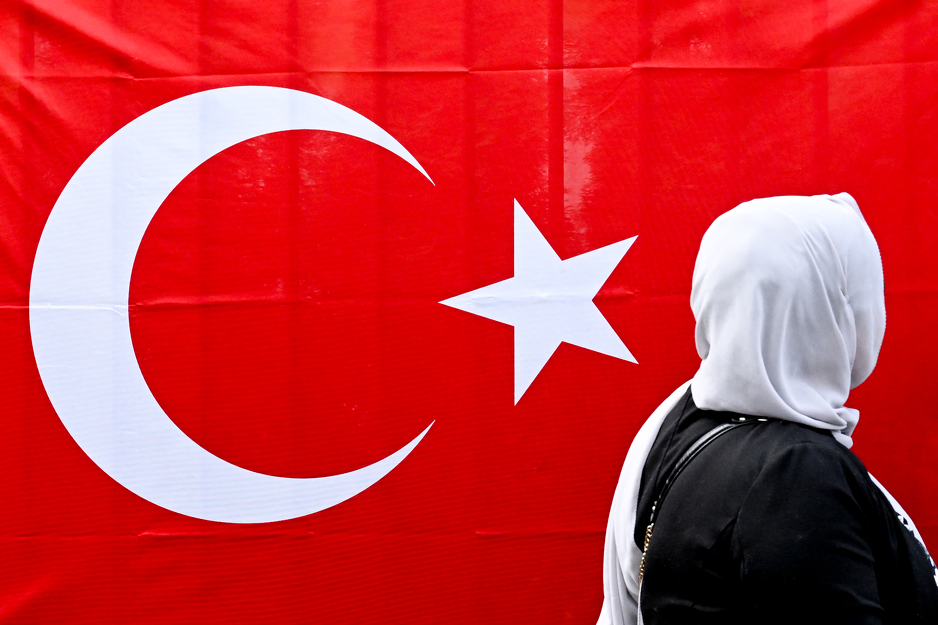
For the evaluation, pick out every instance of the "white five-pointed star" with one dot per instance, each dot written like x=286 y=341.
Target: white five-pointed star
x=549 y=301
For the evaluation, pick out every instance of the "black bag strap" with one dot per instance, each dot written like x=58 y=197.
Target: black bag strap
x=685 y=459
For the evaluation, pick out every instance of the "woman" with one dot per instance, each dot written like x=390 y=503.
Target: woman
x=769 y=518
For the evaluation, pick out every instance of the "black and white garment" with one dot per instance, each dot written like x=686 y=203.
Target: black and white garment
x=789 y=302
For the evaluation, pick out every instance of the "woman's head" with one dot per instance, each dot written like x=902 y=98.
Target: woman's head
x=788 y=297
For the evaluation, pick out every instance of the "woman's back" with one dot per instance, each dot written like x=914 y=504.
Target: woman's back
x=774 y=522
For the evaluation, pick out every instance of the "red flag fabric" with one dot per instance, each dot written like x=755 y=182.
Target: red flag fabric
x=285 y=306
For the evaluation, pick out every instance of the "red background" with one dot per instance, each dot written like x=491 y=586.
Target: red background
x=285 y=298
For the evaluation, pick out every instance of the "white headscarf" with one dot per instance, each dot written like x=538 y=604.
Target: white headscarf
x=788 y=297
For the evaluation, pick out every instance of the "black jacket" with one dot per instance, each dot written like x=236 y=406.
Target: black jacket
x=774 y=522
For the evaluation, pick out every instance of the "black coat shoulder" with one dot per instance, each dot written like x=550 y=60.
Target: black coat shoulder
x=773 y=522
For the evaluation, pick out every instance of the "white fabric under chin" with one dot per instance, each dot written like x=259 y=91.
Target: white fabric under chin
x=622 y=556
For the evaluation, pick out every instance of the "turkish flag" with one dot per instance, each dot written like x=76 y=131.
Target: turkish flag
x=285 y=301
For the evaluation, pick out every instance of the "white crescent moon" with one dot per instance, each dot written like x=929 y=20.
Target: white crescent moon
x=78 y=304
